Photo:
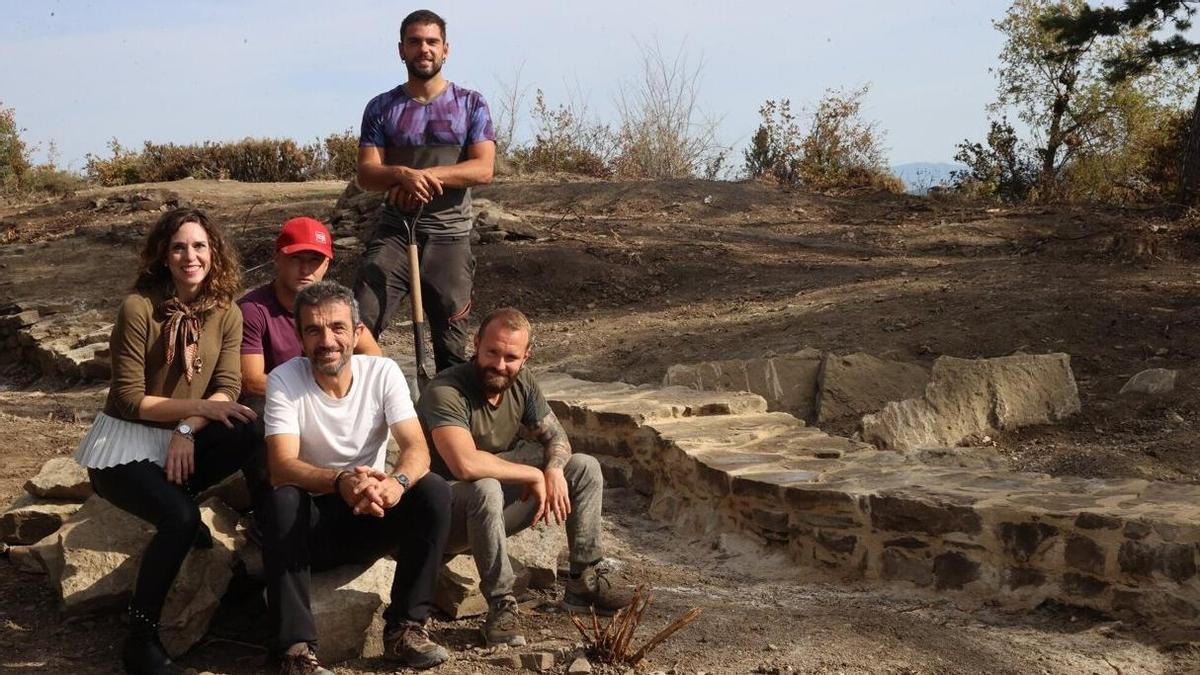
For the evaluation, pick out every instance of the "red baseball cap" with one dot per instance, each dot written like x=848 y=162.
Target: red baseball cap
x=304 y=234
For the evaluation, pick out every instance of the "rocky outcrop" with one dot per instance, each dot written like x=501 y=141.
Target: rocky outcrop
x=92 y=563
x=970 y=398
x=348 y=604
x=61 y=478
x=30 y=519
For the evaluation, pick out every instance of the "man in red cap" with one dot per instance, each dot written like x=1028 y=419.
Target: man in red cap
x=303 y=252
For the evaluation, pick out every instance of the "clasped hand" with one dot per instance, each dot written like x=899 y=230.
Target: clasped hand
x=416 y=187
x=370 y=492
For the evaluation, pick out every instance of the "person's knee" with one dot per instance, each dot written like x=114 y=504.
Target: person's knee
x=278 y=509
x=484 y=496
x=583 y=467
x=432 y=493
x=181 y=516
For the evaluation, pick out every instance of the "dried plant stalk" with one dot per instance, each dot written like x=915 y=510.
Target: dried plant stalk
x=611 y=644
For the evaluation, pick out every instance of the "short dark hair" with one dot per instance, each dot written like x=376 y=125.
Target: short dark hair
x=422 y=17
x=509 y=317
x=322 y=292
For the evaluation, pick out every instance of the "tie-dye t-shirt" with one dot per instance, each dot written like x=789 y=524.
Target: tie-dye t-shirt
x=421 y=135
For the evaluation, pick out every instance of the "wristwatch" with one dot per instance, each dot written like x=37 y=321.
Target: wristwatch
x=402 y=480
x=184 y=429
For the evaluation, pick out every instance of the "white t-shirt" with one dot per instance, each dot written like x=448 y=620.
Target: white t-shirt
x=338 y=433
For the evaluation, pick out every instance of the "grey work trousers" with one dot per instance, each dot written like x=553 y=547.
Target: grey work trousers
x=484 y=513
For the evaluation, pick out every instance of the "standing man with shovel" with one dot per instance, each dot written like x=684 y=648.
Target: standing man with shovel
x=425 y=143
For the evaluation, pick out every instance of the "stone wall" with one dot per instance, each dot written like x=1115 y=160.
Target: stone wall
x=56 y=339
x=719 y=461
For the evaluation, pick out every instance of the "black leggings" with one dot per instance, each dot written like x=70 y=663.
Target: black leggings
x=141 y=488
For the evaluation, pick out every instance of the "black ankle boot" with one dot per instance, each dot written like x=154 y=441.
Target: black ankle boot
x=143 y=654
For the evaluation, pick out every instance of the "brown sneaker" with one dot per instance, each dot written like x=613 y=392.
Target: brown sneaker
x=599 y=588
x=412 y=646
x=303 y=663
x=502 y=625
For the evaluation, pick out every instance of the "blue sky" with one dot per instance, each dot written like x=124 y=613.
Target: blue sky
x=80 y=73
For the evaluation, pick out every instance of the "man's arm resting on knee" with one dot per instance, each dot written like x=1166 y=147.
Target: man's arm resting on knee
x=286 y=468
x=414 y=453
x=467 y=462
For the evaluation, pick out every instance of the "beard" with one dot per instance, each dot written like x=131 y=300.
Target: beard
x=493 y=382
x=333 y=369
x=422 y=74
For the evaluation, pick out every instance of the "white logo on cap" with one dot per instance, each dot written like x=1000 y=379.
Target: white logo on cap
x=320 y=236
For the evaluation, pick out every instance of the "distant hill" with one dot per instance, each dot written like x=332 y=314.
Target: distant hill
x=918 y=177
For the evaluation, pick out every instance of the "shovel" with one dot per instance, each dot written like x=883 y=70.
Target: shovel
x=414 y=296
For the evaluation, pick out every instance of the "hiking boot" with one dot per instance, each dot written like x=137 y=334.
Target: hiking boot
x=143 y=653
x=412 y=646
x=302 y=663
x=502 y=625
x=598 y=587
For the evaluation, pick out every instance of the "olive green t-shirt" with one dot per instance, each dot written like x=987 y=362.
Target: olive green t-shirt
x=455 y=398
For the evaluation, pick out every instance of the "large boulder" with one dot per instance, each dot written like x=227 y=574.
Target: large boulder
x=788 y=383
x=347 y=605
x=31 y=519
x=537 y=550
x=967 y=398
x=60 y=478
x=856 y=384
x=457 y=593
x=93 y=560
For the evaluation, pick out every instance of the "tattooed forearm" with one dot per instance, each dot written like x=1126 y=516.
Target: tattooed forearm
x=554 y=439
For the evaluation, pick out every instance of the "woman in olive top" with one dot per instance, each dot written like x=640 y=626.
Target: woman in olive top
x=171 y=425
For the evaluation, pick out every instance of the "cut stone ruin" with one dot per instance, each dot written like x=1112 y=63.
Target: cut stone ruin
x=56 y=338
x=719 y=462
x=900 y=406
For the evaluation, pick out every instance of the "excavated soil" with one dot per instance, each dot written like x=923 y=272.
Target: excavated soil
x=627 y=278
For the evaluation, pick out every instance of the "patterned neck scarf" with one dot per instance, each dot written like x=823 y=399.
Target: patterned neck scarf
x=182 y=333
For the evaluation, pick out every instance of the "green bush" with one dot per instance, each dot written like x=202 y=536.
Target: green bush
x=14 y=156
x=565 y=141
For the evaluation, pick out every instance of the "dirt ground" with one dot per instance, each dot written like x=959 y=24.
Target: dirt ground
x=631 y=277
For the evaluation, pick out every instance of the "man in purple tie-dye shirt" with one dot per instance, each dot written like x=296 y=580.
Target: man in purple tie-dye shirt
x=426 y=142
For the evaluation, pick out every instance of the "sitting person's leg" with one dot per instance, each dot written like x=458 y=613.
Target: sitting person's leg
x=286 y=516
x=141 y=488
x=478 y=525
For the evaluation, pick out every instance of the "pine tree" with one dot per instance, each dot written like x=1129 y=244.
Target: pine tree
x=1078 y=31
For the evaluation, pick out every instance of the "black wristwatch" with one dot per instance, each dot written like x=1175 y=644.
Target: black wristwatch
x=402 y=480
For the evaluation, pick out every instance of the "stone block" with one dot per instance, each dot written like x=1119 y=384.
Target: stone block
x=1152 y=382
x=60 y=478
x=854 y=385
x=1023 y=577
x=26 y=559
x=617 y=472
x=1084 y=554
x=1083 y=585
x=31 y=519
x=1095 y=521
x=899 y=566
x=910 y=514
x=457 y=593
x=967 y=398
x=1023 y=540
x=954 y=570
x=1175 y=561
x=788 y=383
x=347 y=605
x=537 y=549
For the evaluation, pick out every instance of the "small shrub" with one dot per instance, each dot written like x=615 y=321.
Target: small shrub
x=565 y=141
x=838 y=150
x=14 y=156
x=1005 y=168
x=341 y=155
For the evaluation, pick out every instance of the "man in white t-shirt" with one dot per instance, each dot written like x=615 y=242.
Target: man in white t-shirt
x=327 y=418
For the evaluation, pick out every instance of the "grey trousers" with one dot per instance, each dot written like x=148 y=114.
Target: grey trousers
x=485 y=512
